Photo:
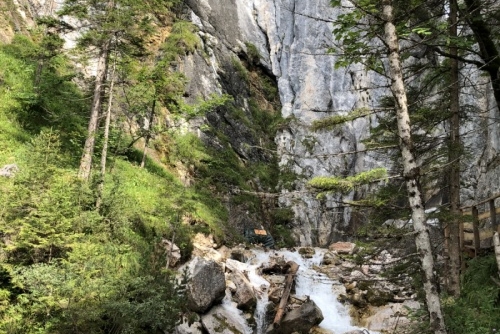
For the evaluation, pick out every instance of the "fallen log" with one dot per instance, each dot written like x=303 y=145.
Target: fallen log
x=292 y=271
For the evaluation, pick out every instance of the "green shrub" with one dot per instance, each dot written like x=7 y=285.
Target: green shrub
x=476 y=310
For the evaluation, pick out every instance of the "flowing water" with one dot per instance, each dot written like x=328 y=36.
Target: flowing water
x=308 y=283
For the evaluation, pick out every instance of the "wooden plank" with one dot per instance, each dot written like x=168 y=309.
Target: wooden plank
x=294 y=267
x=484 y=233
x=475 y=228
x=483 y=215
x=481 y=202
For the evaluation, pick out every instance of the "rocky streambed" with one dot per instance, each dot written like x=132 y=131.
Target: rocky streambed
x=239 y=290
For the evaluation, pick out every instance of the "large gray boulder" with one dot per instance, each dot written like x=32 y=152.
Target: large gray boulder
x=206 y=286
x=220 y=320
x=300 y=320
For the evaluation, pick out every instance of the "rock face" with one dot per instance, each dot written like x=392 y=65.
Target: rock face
x=291 y=37
x=300 y=320
x=206 y=286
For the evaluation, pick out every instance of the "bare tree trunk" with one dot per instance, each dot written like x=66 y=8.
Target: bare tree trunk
x=496 y=243
x=104 y=154
x=454 y=159
x=148 y=135
x=411 y=172
x=100 y=79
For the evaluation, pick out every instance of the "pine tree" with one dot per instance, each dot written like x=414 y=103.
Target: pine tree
x=119 y=26
x=359 y=46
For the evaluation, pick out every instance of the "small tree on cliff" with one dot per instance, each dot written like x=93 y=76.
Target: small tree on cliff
x=380 y=25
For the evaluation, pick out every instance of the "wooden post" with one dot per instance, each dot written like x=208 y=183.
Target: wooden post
x=286 y=293
x=475 y=228
x=462 y=243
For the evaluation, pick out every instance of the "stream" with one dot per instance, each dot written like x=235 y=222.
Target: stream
x=309 y=282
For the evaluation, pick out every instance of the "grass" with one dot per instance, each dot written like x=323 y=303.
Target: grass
x=14 y=78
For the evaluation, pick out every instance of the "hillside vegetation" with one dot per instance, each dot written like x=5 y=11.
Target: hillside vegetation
x=67 y=266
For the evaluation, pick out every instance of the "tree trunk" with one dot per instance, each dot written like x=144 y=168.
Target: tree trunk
x=411 y=172
x=100 y=79
x=148 y=135
x=487 y=47
x=496 y=243
x=454 y=160
x=104 y=154
x=286 y=293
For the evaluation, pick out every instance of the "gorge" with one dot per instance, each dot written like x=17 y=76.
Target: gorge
x=208 y=120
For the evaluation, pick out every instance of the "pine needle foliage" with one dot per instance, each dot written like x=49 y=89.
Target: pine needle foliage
x=332 y=122
x=342 y=185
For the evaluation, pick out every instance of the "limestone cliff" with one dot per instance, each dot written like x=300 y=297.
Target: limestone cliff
x=292 y=37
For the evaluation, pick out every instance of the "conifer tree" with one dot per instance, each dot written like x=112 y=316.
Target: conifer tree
x=122 y=26
x=358 y=44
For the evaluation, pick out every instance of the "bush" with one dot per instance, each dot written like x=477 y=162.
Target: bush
x=478 y=308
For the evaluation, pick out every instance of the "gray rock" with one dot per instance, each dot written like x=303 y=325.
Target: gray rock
x=173 y=253
x=9 y=170
x=244 y=296
x=299 y=320
x=343 y=247
x=219 y=320
x=206 y=286
x=331 y=259
x=185 y=328
x=390 y=316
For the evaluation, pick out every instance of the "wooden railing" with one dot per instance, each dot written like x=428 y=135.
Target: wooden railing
x=479 y=211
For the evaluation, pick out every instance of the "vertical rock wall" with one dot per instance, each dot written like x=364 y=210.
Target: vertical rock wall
x=292 y=37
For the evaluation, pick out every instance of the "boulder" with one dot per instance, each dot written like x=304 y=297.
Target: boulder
x=203 y=246
x=299 y=320
x=185 y=328
x=307 y=252
x=173 y=253
x=220 y=320
x=241 y=254
x=331 y=259
x=206 y=286
x=9 y=170
x=244 y=295
x=343 y=247
x=390 y=316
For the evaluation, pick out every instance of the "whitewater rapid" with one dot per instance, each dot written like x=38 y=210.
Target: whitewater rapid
x=309 y=282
